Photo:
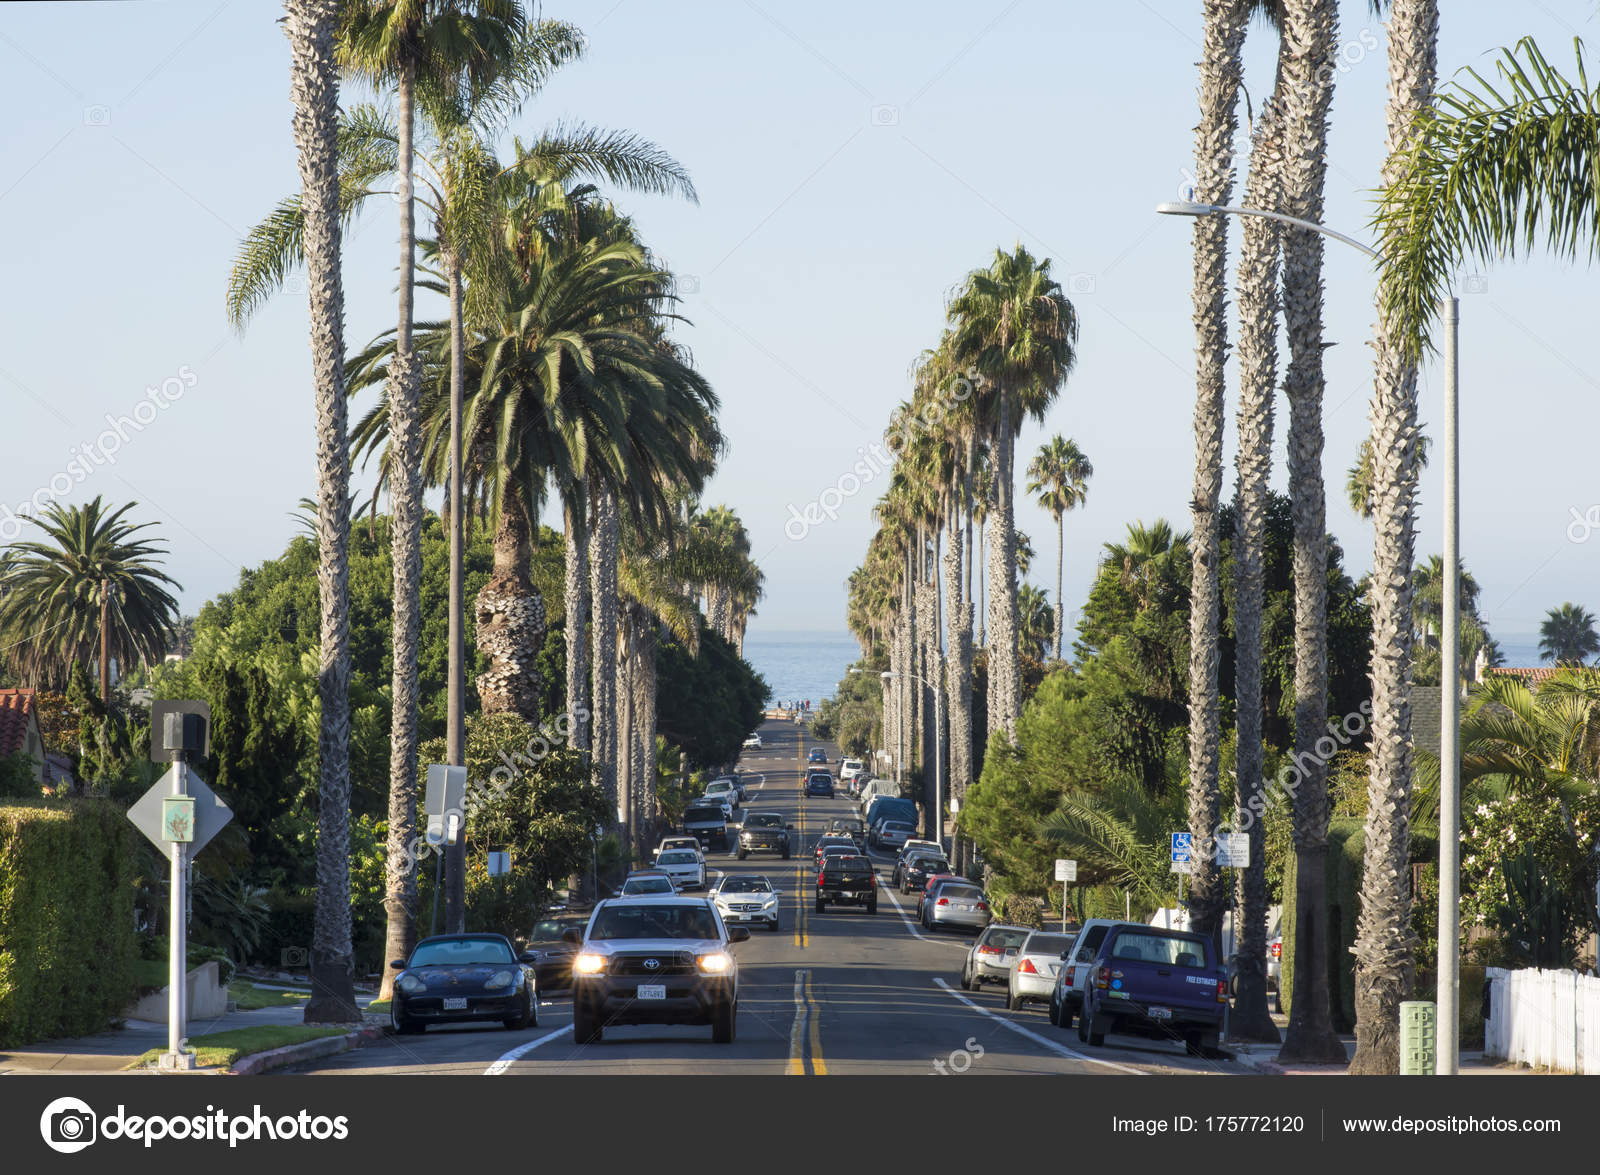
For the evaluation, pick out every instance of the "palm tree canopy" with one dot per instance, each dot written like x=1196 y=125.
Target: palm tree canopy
x=1058 y=476
x=1490 y=170
x=50 y=592
x=1568 y=636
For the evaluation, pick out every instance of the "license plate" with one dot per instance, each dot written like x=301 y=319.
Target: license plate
x=652 y=991
x=964 y=908
x=455 y=1004
x=1160 y=1013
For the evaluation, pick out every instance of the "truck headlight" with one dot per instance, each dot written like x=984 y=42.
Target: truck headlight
x=589 y=964
x=717 y=963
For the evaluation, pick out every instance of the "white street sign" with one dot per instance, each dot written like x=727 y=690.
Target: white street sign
x=1066 y=870
x=446 y=793
x=1233 y=850
x=1184 y=866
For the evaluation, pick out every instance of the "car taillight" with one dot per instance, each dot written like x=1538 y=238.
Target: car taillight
x=1222 y=991
x=1027 y=967
x=1102 y=978
x=944 y=901
x=821 y=877
x=1068 y=978
x=988 y=950
x=1277 y=949
x=983 y=906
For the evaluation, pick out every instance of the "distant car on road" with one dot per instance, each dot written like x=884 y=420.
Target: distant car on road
x=753 y=743
x=852 y=828
x=847 y=879
x=723 y=789
x=677 y=842
x=819 y=783
x=707 y=823
x=764 y=832
x=850 y=769
x=892 y=834
x=655 y=961
x=648 y=881
x=817 y=755
x=837 y=840
x=552 y=955
x=457 y=978
x=686 y=867
x=741 y=898
x=915 y=870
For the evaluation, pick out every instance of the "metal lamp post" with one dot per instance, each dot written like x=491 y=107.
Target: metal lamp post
x=1449 y=646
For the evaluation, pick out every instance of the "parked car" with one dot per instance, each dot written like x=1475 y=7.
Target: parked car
x=916 y=870
x=458 y=978
x=893 y=834
x=753 y=743
x=764 y=832
x=552 y=954
x=741 y=898
x=1163 y=981
x=933 y=884
x=1066 y=995
x=686 y=867
x=883 y=808
x=738 y=780
x=655 y=961
x=848 y=879
x=991 y=955
x=648 y=881
x=955 y=903
x=918 y=845
x=707 y=823
x=1033 y=971
x=850 y=768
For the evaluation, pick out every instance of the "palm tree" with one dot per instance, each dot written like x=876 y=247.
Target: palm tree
x=1567 y=636
x=1358 y=478
x=1058 y=477
x=1036 y=622
x=1385 y=970
x=1311 y=32
x=92 y=564
x=404 y=43
x=1012 y=324
x=1220 y=78
x=314 y=87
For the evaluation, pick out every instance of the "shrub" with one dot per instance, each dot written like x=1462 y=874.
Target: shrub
x=1022 y=910
x=67 y=940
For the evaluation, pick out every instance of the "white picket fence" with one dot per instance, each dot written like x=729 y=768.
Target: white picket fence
x=1545 y=1019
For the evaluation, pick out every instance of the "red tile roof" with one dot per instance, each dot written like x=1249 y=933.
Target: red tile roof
x=1533 y=675
x=16 y=708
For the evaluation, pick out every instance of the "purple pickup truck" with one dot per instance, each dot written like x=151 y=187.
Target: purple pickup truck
x=1161 y=982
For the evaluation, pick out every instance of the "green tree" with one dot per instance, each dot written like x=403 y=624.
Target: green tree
x=1058 y=477
x=1567 y=635
x=52 y=593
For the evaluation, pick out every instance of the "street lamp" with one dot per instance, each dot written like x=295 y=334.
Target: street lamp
x=938 y=729
x=1450 y=648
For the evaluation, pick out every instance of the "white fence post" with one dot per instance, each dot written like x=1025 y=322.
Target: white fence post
x=1544 y=1019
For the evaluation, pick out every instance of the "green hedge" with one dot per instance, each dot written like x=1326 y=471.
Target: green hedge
x=67 y=940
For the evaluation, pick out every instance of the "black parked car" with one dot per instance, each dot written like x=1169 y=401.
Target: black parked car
x=454 y=978
x=918 y=868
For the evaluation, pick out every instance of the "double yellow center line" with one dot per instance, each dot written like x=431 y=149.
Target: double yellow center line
x=807 y=1013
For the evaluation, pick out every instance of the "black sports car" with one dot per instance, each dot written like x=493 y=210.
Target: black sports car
x=552 y=962
x=453 y=978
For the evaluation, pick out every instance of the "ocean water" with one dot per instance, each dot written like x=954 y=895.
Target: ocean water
x=801 y=665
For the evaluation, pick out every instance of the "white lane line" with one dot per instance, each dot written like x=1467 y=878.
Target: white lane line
x=888 y=891
x=521 y=1051
x=797 y=1033
x=1060 y=1049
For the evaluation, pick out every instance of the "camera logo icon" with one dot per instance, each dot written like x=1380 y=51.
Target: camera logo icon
x=1477 y=283
x=1081 y=283
x=68 y=1125
x=292 y=957
x=884 y=115
x=97 y=116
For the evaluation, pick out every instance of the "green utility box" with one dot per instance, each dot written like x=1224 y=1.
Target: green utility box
x=1419 y=1038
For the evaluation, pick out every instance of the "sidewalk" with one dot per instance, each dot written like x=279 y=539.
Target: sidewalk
x=113 y=1050
x=1263 y=1058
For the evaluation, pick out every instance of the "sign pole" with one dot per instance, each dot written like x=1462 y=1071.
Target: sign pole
x=177 y=935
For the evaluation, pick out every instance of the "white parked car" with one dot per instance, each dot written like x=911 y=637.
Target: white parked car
x=686 y=867
x=741 y=898
x=849 y=769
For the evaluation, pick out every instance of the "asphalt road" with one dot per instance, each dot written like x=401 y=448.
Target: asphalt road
x=840 y=992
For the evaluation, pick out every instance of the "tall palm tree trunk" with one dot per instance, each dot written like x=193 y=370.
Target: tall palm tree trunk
x=644 y=718
x=1007 y=690
x=1385 y=968
x=455 y=855
x=603 y=541
x=1258 y=360
x=405 y=538
x=1220 y=74
x=314 y=88
x=511 y=619
x=577 y=601
x=1312 y=32
x=1061 y=601
x=623 y=655
x=958 y=672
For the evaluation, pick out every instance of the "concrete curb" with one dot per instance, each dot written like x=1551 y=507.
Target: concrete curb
x=1262 y=1062
x=306 y=1050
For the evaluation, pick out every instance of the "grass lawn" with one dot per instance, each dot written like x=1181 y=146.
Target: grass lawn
x=221 y=1049
x=378 y=1006
x=249 y=997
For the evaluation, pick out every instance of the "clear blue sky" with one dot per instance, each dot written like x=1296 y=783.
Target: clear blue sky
x=854 y=161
